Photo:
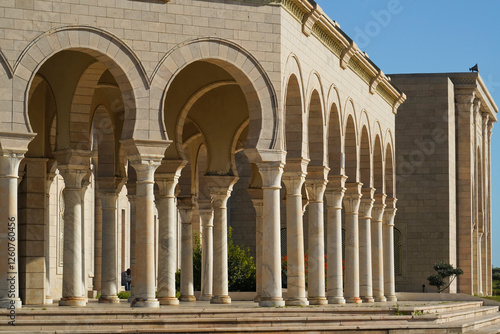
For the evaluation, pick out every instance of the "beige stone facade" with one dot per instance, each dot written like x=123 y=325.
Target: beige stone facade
x=443 y=154
x=126 y=125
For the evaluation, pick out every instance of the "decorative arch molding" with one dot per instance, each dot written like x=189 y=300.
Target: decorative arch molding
x=334 y=132
x=115 y=54
x=365 y=122
x=350 y=110
x=389 y=167
x=6 y=65
x=265 y=132
x=314 y=84
x=333 y=98
x=292 y=67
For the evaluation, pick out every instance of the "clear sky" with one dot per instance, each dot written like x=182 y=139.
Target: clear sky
x=424 y=36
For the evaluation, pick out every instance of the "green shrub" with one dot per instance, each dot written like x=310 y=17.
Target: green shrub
x=124 y=294
x=241 y=267
x=444 y=270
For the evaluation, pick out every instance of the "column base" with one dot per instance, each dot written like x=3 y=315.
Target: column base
x=140 y=302
x=318 y=301
x=354 y=300
x=72 y=301
x=11 y=303
x=271 y=302
x=189 y=298
x=336 y=300
x=257 y=299
x=206 y=297
x=168 y=301
x=220 y=300
x=48 y=301
x=391 y=298
x=297 y=302
x=109 y=299
x=380 y=299
x=367 y=299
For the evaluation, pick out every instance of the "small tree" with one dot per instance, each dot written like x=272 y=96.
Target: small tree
x=444 y=270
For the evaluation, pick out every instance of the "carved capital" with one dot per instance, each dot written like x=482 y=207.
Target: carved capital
x=366 y=204
x=352 y=197
x=271 y=174
x=465 y=101
x=167 y=176
x=186 y=207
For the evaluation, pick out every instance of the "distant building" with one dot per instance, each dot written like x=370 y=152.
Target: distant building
x=443 y=173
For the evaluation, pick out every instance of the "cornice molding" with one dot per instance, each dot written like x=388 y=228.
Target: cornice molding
x=328 y=32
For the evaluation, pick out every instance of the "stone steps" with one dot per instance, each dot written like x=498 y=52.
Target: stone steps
x=376 y=319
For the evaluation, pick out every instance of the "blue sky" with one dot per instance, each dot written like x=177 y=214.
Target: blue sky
x=410 y=36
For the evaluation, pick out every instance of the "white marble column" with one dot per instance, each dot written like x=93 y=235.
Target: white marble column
x=378 y=248
x=220 y=188
x=144 y=268
x=9 y=277
x=352 y=201
x=109 y=261
x=256 y=194
x=167 y=250
x=48 y=184
x=365 y=245
x=388 y=231
x=73 y=167
x=271 y=251
x=316 y=184
x=186 y=207
x=296 y=281
x=334 y=194
x=207 y=252
x=131 y=195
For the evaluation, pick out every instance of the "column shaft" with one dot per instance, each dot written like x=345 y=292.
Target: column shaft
x=378 y=248
x=9 y=278
x=167 y=250
x=334 y=195
x=258 y=205
x=296 y=282
x=388 y=231
x=316 y=186
x=271 y=250
x=187 y=285
x=109 y=289
x=207 y=258
x=351 y=203
x=144 y=268
x=72 y=258
x=365 y=246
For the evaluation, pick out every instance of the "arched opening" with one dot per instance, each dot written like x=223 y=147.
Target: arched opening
x=74 y=102
x=316 y=145
x=351 y=151
x=378 y=168
x=335 y=158
x=294 y=125
x=365 y=160
x=389 y=172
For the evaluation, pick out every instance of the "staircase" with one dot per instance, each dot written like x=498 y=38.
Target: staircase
x=247 y=317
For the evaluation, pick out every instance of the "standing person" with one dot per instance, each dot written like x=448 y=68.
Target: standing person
x=126 y=279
